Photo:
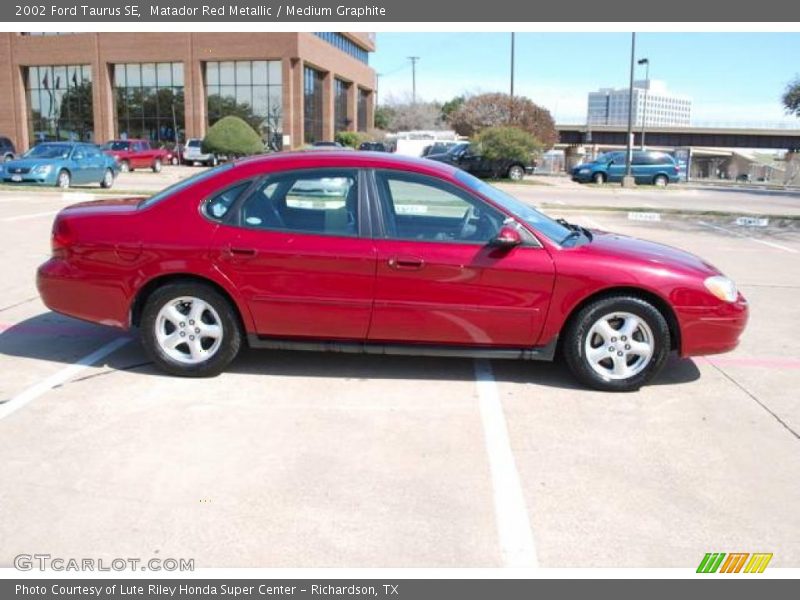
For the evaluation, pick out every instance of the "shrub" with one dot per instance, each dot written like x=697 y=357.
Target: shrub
x=348 y=138
x=233 y=137
x=507 y=143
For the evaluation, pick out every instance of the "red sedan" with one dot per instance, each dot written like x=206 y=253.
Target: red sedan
x=376 y=253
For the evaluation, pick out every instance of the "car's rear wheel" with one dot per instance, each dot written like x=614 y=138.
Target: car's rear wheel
x=598 y=178
x=616 y=343
x=516 y=173
x=213 y=162
x=660 y=181
x=63 y=179
x=190 y=329
x=174 y=161
x=125 y=166
x=157 y=165
x=108 y=179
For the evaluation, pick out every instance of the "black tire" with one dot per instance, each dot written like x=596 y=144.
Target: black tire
x=63 y=179
x=213 y=162
x=8 y=157
x=157 y=165
x=108 y=179
x=231 y=339
x=660 y=181
x=516 y=173
x=174 y=161
x=125 y=167
x=599 y=178
x=576 y=332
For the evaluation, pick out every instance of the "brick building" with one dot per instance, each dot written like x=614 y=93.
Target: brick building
x=294 y=88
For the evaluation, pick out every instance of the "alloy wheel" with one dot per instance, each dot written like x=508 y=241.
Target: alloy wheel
x=188 y=330
x=619 y=345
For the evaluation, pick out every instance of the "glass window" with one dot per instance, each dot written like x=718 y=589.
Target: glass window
x=247 y=89
x=323 y=202
x=345 y=44
x=59 y=103
x=341 y=89
x=312 y=105
x=217 y=207
x=416 y=207
x=150 y=101
x=363 y=101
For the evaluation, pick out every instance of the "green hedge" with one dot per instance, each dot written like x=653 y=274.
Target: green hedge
x=233 y=137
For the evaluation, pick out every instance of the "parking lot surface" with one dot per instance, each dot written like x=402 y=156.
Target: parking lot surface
x=313 y=460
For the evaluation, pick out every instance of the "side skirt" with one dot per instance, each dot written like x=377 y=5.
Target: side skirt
x=546 y=352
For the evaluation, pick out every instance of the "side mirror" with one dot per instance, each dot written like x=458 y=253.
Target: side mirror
x=507 y=237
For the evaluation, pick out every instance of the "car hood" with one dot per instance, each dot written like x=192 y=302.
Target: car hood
x=110 y=205
x=29 y=163
x=643 y=251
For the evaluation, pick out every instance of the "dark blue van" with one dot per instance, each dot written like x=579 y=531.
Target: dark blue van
x=647 y=167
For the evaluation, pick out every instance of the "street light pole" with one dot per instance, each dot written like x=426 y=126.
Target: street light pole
x=413 y=60
x=512 y=64
x=628 y=180
x=646 y=63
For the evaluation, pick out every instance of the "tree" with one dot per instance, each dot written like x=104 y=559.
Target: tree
x=791 y=98
x=507 y=144
x=451 y=106
x=383 y=116
x=405 y=115
x=232 y=136
x=497 y=110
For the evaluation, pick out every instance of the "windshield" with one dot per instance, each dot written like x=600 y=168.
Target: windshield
x=194 y=143
x=49 y=151
x=116 y=145
x=457 y=148
x=554 y=230
x=182 y=185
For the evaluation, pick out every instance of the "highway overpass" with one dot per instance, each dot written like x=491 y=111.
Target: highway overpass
x=677 y=137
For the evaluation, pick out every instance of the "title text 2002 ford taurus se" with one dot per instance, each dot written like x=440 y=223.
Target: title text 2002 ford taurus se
x=375 y=253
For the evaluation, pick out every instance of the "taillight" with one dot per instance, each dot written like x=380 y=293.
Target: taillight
x=62 y=238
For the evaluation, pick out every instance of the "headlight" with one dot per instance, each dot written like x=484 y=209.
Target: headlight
x=584 y=171
x=41 y=169
x=722 y=287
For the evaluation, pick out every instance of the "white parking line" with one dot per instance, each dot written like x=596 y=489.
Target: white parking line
x=65 y=374
x=511 y=514
x=48 y=213
x=741 y=235
x=592 y=223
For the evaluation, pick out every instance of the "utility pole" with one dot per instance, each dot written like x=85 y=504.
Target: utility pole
x=512 y=64
x=413 y=60
x=646 y=62
x=628 y=180
x=377 y=86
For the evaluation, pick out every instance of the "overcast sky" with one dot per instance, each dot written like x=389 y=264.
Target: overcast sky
x=731 y=77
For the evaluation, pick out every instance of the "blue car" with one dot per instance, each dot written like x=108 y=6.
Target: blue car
x=647 y=167
x=61 y=164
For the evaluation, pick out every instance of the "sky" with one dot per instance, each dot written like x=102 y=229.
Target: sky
x=732 y=78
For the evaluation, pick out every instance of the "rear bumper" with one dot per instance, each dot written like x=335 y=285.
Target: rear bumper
x=68 y=291
x=712 y=330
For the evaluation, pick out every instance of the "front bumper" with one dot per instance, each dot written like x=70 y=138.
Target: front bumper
x=712 y=330
x=29 y=178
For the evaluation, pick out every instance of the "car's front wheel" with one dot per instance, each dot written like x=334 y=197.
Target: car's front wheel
x=157 y=165
x=108 y=179
x=617 y=343
x=598 y=178
x=63 y=179
x=516 y=173
x=190 y=329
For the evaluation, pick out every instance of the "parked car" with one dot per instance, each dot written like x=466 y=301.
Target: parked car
x=373 y=147
x=193 y=153
x=175 y=155
x=136 y=154
x=61 y=164
x=466 y=156
x=438 y=147
x=411 y=257
x=7 y=150
x=326 y=144
x=647 y=167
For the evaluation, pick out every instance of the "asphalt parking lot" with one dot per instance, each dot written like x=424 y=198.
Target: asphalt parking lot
x=313 y=460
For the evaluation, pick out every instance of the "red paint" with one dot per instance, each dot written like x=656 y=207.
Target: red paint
x=139 y=154
x=301 y=285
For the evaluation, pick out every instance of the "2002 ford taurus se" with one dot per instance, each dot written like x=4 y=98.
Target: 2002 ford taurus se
x=380 y=254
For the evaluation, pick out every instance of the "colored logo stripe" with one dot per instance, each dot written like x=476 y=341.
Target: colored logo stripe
x=711 y=562
x=734 y=562
x=758 y=562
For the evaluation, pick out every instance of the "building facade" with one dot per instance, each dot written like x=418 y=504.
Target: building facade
x=293 y=88
x=653 y=105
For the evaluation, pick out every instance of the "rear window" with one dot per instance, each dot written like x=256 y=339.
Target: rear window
x=193 y=143
x=184 y=184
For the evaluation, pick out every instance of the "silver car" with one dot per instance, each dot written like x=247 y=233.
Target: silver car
x=193 y=153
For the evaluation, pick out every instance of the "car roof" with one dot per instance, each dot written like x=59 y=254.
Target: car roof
x=347 y=158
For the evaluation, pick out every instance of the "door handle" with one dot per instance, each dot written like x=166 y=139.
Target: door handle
x=237 y=252
x=406 y=263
